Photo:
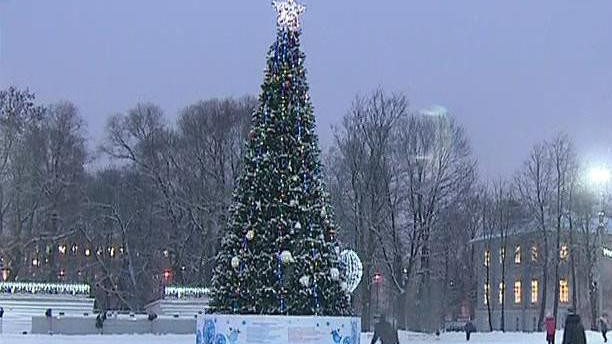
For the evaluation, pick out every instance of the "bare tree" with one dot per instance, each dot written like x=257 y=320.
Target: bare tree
x=563 y=159
x=192 y=169
x=208 y=160
x=399 y=173
x=437 y=166
x=487 y=231
x=366 y=174
x=461 y=223
x=534 y=187
x=584 y=212
x=121 y=228
x=43 y=173
x=572 y=190
x=18 y=114
x=507 y=219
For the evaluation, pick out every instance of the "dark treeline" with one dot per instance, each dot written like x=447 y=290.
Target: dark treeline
x=408 y=198
x=152 y=216
x=404 y=186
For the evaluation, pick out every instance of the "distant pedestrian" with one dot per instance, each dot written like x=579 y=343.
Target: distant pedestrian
x=469 y=328
x=551 y=327
x=384 y=331
x=574 y=330
x=100 y=322
x=603 y=326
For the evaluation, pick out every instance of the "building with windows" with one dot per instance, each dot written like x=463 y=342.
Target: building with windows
x=514 y=283
x=77 y=260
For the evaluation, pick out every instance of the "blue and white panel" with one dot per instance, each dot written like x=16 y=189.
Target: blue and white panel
x=263 y=329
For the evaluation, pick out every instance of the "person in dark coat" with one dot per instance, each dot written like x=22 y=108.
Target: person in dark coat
x=574 y=330
x=100 y=321
x=551 y=326
x=469 y=328
x=384 y=331
x=603 y=326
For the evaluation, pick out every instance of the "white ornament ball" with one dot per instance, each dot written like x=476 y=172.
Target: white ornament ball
x=323 y=212
x=286 y=257
x=250 y=235
x=235 y=262
x=293 y=203
x=335 y=274
x=298 y=226
x=344 y=286
x=305 y=281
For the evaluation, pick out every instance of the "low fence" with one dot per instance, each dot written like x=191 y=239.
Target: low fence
x=20 y=308
x=139 y=324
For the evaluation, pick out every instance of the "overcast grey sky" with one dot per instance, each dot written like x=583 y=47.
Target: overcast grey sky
x=512 y=72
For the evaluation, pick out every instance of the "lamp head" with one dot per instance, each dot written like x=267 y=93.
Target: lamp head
x=599 y=175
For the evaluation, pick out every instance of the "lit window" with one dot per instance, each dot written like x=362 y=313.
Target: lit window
x=487 y=258
x=564 y=252
x=502 y=291
x=563 y=291
x=487 y=293
x=517 y=255
x=534 y=253
x=534 y=291
x=502 y=255
x=517 y=292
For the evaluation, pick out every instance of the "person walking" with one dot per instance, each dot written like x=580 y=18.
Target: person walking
x=603 y=326
x=551 y=327
x=469 y=328
x=100 y=322
x=574 y=330
x=384 y=331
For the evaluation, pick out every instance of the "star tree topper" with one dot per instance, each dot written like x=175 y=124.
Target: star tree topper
x=288 y=14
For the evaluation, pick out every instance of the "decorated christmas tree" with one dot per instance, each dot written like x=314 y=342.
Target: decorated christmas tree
x=278 y=254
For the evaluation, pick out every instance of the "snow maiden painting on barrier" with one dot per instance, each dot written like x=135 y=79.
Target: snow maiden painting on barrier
x=277 y=278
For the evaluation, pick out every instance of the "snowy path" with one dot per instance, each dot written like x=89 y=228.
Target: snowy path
x=406 y=338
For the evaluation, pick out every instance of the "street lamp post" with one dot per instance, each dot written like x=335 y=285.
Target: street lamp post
x=377 y=281
x=600 y=230
x=600 y=177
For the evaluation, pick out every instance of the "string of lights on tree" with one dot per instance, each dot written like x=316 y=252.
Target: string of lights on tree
x=44 y=288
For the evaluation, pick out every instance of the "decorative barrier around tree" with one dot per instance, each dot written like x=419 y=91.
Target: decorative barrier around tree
x=44 y=288
x=279 y=329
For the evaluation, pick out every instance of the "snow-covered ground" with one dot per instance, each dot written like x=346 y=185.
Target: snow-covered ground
x=405 y=338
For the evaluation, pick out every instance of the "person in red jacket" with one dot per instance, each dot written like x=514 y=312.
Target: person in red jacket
x=551 y=327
